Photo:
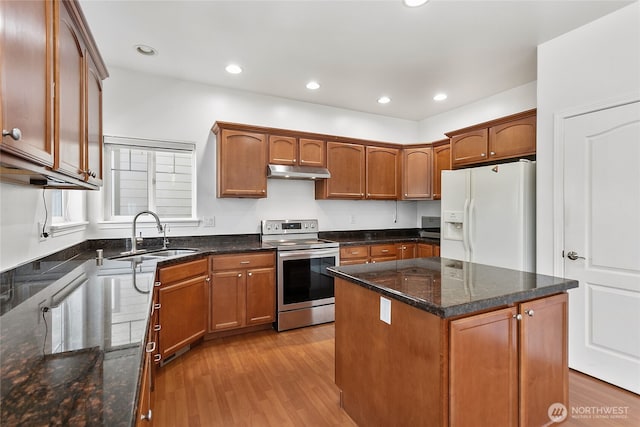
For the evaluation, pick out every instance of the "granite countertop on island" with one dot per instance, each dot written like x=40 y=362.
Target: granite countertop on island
x=450 y=288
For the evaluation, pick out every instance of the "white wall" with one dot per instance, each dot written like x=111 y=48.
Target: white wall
x=591 y=64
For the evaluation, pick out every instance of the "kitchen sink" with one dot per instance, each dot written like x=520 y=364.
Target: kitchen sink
x=154 y=254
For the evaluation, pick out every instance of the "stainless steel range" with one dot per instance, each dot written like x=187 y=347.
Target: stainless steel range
x=305 y=290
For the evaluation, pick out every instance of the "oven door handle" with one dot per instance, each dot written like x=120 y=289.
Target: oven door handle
x=309 y=253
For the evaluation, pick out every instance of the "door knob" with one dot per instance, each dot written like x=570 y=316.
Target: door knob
x=572 y=255
x=14 y=133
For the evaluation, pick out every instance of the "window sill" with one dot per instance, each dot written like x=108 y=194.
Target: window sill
x=63 y=228
x=146 y=223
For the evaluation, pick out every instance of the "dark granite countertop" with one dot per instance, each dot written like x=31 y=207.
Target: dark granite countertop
x=79 y=363
x=449 y=288
x=370 y=237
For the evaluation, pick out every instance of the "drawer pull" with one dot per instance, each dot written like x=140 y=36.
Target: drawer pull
x=157 y=284
x=157 y=328
x=157 y=306
x=150 y=347
x=239 y=274
x=384 y=251
x=245 y=262
x=157 y=357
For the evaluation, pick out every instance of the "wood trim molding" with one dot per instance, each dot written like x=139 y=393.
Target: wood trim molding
x=494 y=122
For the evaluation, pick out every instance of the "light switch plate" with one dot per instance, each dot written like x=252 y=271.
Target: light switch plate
x=385 y=310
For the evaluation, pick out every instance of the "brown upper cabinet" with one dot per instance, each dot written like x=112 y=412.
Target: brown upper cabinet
x=441 y=161
x=241 y=163
x=346 y=162
x=52 y=72
x=508 y=137
x=290 y=150
x=417 y=164
x=382 y=173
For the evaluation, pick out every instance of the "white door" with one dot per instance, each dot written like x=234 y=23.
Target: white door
x=602 y=243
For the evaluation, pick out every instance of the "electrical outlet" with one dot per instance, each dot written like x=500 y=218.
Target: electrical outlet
x=43 y=235
x=209 y=221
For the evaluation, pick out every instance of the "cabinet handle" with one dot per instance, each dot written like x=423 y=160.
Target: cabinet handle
x=384 y=251
x=157 y=306
x=208 y=279
x=239 y=274
x=354 y=253
x=483 y=155
x=517 y=316
x=157 y=284
x=157 y=328
x=493 y=153
x=249 y=274
x=157 y=358
x=373 y=262
x=245 y=262
x=406 y=195
x=147 y=416
x=14 y=133
x=529 y=312
x=150 y=347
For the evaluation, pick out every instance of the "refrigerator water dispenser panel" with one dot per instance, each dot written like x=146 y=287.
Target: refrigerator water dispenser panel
x=453 y=225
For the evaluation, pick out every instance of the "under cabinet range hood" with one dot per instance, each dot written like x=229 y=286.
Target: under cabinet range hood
x=297 y=172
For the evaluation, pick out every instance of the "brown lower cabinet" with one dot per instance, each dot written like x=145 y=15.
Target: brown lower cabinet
x=243 y=291
x=504 y=367
x=144 y=411
x=426 y=250
x=182 y=295
x=364 y=254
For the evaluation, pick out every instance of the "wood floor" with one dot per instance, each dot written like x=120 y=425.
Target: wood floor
x=287 y=379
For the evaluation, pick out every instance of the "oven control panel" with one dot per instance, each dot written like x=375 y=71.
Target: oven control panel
x=289 y=226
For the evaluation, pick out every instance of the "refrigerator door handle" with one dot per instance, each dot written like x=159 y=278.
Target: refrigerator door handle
x=465 y=228
x=469 y=227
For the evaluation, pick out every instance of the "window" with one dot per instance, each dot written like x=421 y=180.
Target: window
x=67 y=207
x=145 y=174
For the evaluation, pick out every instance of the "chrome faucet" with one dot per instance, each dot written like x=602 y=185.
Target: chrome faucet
x=134 y=239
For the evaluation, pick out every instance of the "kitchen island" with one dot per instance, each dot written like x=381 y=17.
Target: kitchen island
x=439 y=342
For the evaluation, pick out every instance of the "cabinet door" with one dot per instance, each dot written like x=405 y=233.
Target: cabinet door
x=312 y=152
x=425 y=250
x=242 y=164
x=227 y=303
x=69 y=96
x=382 y=173
x=483 y=369
x=406 y=251
x=436 y=250
x=470 y=147
x=416 y=173
x=513 y=139
x=93 y=120
x=441 y=161
x=26 y=79
x=346 y=162
x=261 y=296
x=183 y=314
x=544 y=372
x=283 y=150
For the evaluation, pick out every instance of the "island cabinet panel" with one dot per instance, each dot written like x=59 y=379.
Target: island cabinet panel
x=183 y=299
x=483 y=370
x=242 y=163
x=346 y=163
x=441 y=161
x=543 y=358
x=382 y=173
x=416 y=174
x=26 y=80
x=388 y=376
x=243 y=291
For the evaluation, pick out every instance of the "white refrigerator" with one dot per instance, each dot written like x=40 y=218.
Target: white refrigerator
x=488 y=215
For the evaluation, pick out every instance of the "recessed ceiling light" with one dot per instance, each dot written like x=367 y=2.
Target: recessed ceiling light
x=414 y=3
x=440 y=97
x=143 y=49
x=313 y=85
x=384 y=100
x=233 y=69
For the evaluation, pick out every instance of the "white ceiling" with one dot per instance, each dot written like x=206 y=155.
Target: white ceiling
x=356 y=50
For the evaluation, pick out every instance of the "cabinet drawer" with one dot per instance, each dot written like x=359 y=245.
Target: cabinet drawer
x=351 y=252
x=183 y=271
x=383 y=250
x=235 y=261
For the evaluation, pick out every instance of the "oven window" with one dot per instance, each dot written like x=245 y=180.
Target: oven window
x=307 y=279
